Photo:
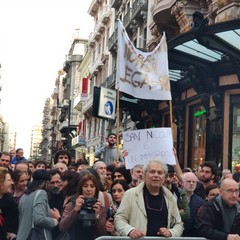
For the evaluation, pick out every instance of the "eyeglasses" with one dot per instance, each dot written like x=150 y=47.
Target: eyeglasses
x=231 y=191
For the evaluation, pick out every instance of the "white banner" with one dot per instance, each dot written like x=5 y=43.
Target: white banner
x=143 y=75
x=148 y=144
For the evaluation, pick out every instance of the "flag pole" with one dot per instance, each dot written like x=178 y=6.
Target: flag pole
x=171 y=116
x=117 y=125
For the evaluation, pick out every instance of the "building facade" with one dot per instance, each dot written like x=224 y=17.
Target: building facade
x=203 y=54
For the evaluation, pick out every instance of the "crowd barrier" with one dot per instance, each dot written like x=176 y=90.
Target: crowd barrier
x=149 y=238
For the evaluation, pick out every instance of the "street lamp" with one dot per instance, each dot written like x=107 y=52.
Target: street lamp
x=52 y=140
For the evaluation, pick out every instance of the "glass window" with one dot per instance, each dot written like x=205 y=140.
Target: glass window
x=235 y=133
x=197 y=136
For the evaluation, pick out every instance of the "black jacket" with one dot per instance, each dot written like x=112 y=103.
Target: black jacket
x=210 y=221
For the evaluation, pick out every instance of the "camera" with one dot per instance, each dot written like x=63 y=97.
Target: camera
x=87 y=214
x=89 y=202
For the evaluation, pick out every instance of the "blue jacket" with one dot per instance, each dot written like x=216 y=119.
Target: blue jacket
x=16 y=160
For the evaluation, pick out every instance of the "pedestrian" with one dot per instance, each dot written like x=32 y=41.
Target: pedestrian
x=20 y=182
x=149 y=209
x=62 y=156
x=19 y=156
x=189 y=183
x=84 y=217
x=118 y=188
x=8 y=207
x=220 y=217
x=35 y=210
x=108 y=152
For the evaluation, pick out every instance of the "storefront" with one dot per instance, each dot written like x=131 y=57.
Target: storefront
x=205 y=72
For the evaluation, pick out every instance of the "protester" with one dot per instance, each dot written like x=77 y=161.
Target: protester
x=122 y=173
x=22 y=165
x=69 y=186
x=19 y=156
x=136 y=175
x=31 y=166
x=40 y=164
x=208 y=176
x=5 y=160
x=101 y=169
x=110 y=169
x=118 y=188
x=220 y=217
x=108 y=153
x=82 y=158
x=149 y=209
x=8 y=208
x=103 y=196
x=189 y=183
x=211 y=192
x=62 y=156
x=62 y=167
x=178 y=193
x=55 y=198
x=36 y=209
x=83 y=216
x=20 y=181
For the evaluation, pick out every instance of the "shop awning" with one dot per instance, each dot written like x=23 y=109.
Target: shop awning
x=215 y=48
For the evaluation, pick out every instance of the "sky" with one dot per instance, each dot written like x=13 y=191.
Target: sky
x=35 y=37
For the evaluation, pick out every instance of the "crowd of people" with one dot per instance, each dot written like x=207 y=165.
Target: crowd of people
x=73 y=200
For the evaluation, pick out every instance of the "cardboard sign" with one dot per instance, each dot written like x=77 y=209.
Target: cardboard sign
x=148 y=144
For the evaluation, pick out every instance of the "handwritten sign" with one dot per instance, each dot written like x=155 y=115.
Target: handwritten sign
x=148 y=144
x=144 y=75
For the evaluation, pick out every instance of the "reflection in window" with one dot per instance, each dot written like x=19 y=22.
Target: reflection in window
x=198 y=136
x=235 y=137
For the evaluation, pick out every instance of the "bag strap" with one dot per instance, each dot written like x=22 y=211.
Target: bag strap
x=106 y=200
x=34 y=200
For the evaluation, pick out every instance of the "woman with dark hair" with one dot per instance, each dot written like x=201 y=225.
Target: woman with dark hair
x=70 y=180
x=83 y=217
x=118 y=188
x=8 y=207
x=34 y=208
x=20 y=182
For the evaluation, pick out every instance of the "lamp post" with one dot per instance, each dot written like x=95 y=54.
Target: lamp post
x=52 y=140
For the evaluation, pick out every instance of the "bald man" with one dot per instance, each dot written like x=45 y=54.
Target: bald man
x=189 y=183
x=220 y=217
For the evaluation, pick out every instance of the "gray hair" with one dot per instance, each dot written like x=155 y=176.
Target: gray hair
x=137 y=166
x=158 y=161
x=95 y=165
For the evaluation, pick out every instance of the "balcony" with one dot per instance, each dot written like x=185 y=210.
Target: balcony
x=88 y=104
x=92 y=40
x=104 y=15
x=98 y=64
x=110 y=80
x=139 y=10
x=112 y=42
x=127 y=19
x=79 y=101
x=100 y=28
x=116 y=4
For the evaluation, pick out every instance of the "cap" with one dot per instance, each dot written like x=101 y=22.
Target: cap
x=41 y=175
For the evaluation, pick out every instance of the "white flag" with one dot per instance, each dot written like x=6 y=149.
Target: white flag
x=143 y=75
